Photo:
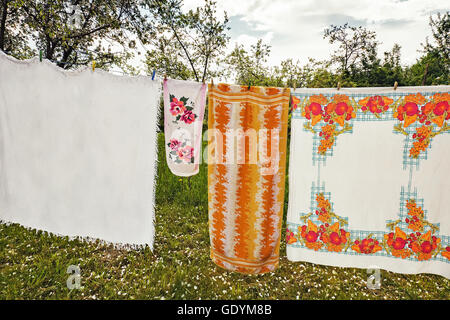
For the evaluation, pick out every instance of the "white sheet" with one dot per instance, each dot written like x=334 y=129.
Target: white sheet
x=78 y=151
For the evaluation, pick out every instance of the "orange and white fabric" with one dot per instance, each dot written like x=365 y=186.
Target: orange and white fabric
x=184 y=108
x=246 y=175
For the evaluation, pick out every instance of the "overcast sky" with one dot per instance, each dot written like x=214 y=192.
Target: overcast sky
x=294 y=28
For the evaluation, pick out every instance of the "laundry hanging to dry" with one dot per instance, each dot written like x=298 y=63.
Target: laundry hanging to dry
x=184 y=108
x=368 y=178
x=246 y=175
x=78 y=151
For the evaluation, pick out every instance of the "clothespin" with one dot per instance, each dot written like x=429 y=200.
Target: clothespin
x=339 y=86
x=212 y=82
x=165 y=77
x=295 y=85
x=249 y=85
x=395 y=85
x=93 y=65
x=40 y=55
x=153 y=74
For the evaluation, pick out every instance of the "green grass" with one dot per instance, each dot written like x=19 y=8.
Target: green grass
x=33 y=264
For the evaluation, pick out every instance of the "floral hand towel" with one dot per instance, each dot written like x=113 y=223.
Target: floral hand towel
x=184 y=108
x=369 y=179
x=246 y=175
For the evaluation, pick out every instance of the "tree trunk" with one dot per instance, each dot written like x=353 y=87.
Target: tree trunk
x=4 y=6
x=63 y=63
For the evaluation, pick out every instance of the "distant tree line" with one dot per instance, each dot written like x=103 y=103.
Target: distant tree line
x=354 y=63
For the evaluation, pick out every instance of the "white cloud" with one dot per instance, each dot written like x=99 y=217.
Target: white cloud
x=248 y=40
x=295 y=28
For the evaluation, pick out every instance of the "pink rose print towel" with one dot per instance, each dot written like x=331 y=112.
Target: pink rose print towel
x=184 y=108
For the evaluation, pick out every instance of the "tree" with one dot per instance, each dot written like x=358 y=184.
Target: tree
x=290 y=72
x=249 y=68
x=391 y=67
x=318 y=74
x=354 y=45
x=13 y=34
x=440 y=46
x=188 y=43
x=433 y=67
x=76 y=32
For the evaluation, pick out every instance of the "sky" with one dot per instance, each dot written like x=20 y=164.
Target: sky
x=294 y=28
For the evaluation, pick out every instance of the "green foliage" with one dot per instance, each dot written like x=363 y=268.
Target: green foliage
x=76 y=32
x=13 y=34
x=356 y=46
x=249 y=68
x=428 y=70
x=439 y=47
x=187 y=43
x=356 y=58
x=190 y=45
x=434 y=66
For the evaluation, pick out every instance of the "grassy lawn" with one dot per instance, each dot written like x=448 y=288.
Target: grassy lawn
x=33 y=264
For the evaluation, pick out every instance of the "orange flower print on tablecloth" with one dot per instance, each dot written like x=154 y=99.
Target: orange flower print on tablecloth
x=415 y=222
x=329 y=234
x=328 y=134
x=320 y=99
x=417 y=98
x=446 y=252
x=339 y=110
x=323 y=208
x=435 y=112
x=422 y=139
x=323 y=212
x=367 y=245
x=336 y=113
x=294 y=103
x=310 y=236
x=424 y=246
x=290 y=237
x=409 y=111
x=313 y=110
x=419 y=244
x=334 y=237
x=375 y=104
x=397 y=242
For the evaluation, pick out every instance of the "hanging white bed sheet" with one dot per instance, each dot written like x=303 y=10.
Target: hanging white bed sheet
x=78 y=151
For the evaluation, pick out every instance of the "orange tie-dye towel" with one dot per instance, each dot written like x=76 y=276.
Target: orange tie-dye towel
x=246 y=175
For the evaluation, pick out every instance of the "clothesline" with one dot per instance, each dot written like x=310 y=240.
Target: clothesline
x=338 y=87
